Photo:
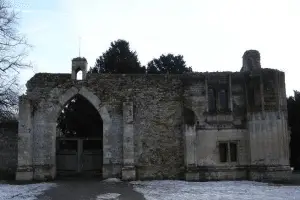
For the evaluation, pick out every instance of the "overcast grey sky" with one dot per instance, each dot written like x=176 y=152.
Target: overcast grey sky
x=212 y=35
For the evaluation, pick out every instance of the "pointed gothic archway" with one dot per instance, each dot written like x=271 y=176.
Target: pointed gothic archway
x=79 y=150
x=79 y=140
x=45 y=131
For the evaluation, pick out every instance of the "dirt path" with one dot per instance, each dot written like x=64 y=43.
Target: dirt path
x=91 y=190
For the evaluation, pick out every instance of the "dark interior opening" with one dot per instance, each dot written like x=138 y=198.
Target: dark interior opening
x=233 y=152
x=189 y=117
x=80 y=119
x=79 y=142
x=223 y=149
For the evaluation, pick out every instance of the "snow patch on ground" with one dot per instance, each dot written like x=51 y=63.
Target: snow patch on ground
x=112 y=180
x=225 y=190
x=108 y=196
x=23 y=192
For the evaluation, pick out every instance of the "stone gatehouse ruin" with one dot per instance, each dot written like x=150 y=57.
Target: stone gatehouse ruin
x=193 y=126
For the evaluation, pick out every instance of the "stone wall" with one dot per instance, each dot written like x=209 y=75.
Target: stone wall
x=208 y=152
x=210 y=127
x=8 y=149
x=267 y=126
x=157 y=121
x=158 y=132
x=160 y=126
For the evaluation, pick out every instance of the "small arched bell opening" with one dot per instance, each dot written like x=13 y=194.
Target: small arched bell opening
x=79 y=144
x=79 y=75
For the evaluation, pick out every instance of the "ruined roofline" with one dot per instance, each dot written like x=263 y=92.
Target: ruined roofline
x=192 y=74
x=57 y=78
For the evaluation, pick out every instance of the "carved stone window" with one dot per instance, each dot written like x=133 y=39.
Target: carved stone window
x=223 y=100
x=223 y=149
x=228 y=151
x=212 y=100
x=217 y=100
x=254 y=98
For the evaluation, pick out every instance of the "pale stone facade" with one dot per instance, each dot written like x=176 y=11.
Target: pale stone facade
x=194 y=126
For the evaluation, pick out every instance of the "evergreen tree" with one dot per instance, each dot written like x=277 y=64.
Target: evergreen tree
x=118 y=59
x=168 y=64
x=79 y=118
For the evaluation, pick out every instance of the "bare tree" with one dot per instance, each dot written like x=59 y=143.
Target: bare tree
x=13 y=54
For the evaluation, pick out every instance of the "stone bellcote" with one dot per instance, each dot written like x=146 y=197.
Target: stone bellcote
x=251 y=60
x=79 y=64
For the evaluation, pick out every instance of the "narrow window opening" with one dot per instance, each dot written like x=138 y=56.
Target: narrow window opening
x=251 y=95
x=223 y=98
x=211 y=100
x=223 y=149
x=233 y=152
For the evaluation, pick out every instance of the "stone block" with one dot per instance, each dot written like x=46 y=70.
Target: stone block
x=192 y=176
x=44 y=172
x=24 y=173
x=24 y=176
x=111 y=171
x=128 y=173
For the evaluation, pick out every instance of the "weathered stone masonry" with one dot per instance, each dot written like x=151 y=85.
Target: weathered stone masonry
x=165 y=126
x=8 y=149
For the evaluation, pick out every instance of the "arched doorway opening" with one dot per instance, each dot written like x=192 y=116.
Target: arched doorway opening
x=79 y=143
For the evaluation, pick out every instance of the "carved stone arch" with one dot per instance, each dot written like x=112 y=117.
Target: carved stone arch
x=68 y=95
x=45 y=122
